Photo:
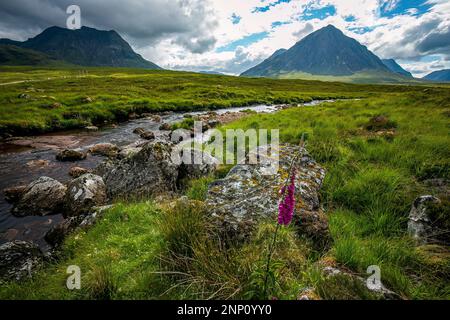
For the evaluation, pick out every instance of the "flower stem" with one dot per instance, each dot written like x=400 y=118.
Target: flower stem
x=269 y=257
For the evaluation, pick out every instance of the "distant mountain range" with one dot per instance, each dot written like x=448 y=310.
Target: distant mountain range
x=328 y=52
x=85 y=47
x=441 y=75
x=395 y=67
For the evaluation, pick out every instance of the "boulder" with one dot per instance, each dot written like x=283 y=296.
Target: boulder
x=429 y=219
x=70 y=155
x=248 y=194
x=19 y=259
x=147 y=135
x=149 y=171
x=76 y=172
x=83 y=194
x=13 y=195
x=41 y=197
x=139 y=130
x=165 y=127
x=194 y=171
x=105 y=149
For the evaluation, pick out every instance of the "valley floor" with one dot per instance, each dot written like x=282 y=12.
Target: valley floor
x=162 y=249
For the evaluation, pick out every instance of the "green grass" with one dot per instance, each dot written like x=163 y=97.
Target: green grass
x=146 y=250
x=117 y=93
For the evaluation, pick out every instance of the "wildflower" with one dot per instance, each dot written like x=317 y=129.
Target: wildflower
x=287 y=203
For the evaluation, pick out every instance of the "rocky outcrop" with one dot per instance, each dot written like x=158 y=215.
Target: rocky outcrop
x=19 y=259
x=84 y=193
x=41 y=197
x=70 y=155
x=429 y=219
x=149 y=171
x=247 y=195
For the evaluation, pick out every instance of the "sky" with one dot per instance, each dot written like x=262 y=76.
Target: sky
x=230 y=36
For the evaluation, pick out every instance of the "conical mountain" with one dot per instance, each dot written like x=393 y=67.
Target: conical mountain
x=327 y=51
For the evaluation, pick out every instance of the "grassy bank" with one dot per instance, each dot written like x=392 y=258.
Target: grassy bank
x=35 y=100
x=148 y=250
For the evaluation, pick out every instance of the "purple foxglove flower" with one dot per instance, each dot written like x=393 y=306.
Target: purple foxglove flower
x=287 y=203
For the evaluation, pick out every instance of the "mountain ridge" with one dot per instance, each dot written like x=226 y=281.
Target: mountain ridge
x=327 y=51
x=440 y=75
x=395 y=67
x=86 y=47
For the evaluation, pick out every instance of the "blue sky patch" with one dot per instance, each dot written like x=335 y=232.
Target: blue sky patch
x=321 y=13
x=235 y=18
x=403 y=6
x=268 y=7
x=246 y=41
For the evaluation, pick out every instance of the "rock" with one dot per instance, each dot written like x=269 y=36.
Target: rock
x=429 y=219
x=139 y=130
x=213 y=123
x=13 y=195
x=83 y=194
x=105 y=149
x=165 y=127
x=148 y=135
x=379 y=291
x=70 y=155
x=150 y=171
x=91 y=128
x=36 y=164
x=157 y=118
x=56 y=235
x=195 y=171
x=87 y=100
x=128 y=151
x=248 y=194
x=19 y=259
x=76 y=172
x=41 y=197
x=23 y=96
x=133 y=116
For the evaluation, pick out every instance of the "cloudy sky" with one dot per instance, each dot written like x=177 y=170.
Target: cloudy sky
x=231 y=36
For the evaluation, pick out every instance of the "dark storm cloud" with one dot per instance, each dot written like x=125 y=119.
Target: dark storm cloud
x=436 y=43
x=142 y=22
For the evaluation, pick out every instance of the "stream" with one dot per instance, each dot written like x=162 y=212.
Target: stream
x=26 y=159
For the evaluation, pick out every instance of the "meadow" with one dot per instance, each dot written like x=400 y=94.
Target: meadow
x=35 y=100
x=149 y=249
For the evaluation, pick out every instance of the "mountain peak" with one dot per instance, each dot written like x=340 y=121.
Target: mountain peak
x=86 y=46
x=327 y=51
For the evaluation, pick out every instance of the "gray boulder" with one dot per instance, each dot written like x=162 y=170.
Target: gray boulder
x=149 y=171
x=84 y=193
x=429 y=219
x=41 y=197
x=248 y=194
x=19 y=259
x=70 y=155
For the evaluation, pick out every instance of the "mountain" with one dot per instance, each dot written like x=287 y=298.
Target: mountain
x=86 y=47
x=441 y=75
x=324 y=52
x=395 y=67
x=13 y=55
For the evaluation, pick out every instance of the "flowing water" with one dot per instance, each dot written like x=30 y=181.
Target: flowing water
x=27 y=159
